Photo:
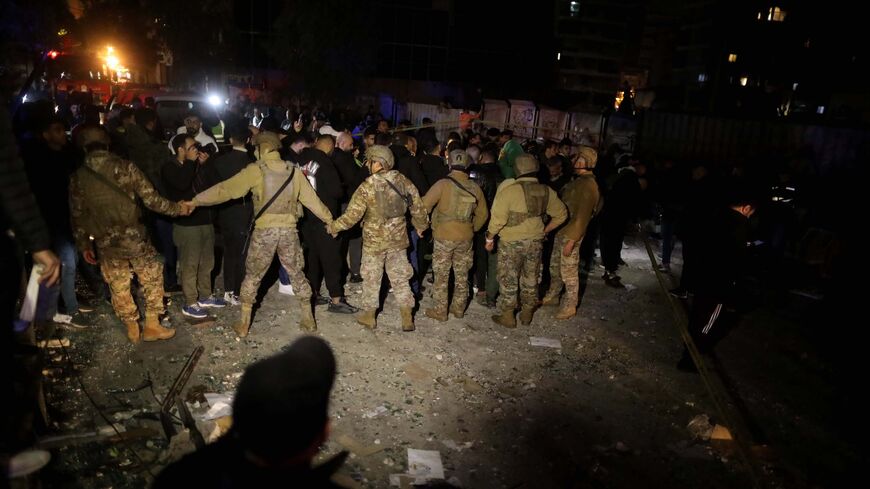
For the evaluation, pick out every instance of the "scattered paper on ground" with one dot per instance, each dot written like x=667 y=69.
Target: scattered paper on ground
x=425 y=463
x=547 y=342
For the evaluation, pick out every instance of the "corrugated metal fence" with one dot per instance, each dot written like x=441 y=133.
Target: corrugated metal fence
x=720 y=140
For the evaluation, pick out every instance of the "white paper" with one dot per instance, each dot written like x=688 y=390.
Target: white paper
x=547 y=342
x=396 y=480
x=220 y=405
x=28 y=307
x=425 y=463
x=374 y=413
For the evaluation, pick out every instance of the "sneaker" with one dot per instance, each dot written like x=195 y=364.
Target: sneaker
x=679 y=293
x=194 y=311
x=356 y=278
x=613 y=280
x=231 y=299
x=342 y=307
x=80 y=321
x=212 y=301
x=319 y=300
x=86 y=306
x=286 y=289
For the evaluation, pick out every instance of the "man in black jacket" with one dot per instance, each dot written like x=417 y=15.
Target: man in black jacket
x=323 y=252
x=234 y=217
x=721 y=242
x=185 y=176
x=280 y=421
x=404 y=149
x=49 y=161
x=352 y=174
x=487 y=174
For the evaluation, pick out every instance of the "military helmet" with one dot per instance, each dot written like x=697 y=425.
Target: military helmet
x=525 y=164
x=90 y=135
x=588 y=155
x=459 y=158
x=382 y=155
x=267 y=141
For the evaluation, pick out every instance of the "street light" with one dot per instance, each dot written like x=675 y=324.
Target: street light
x=214 y=100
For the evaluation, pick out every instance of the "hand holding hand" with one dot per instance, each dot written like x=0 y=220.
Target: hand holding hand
x=490 y=245
x=187 y=207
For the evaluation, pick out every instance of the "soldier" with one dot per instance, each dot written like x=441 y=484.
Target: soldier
x=382 y=201
x=518 y=218
x=460 y=211
x=278 y=189
x=103 y=203
x=582 y=198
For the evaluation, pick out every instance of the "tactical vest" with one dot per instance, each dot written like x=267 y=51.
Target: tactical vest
x=109 y=203
x=389 y=204
x=537 y=196
x=272 y=181
x=460 y=207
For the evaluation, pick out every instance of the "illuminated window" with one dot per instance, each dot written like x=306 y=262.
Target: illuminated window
x=702 y=77
x=775 y=14
x=558 y=56
x=794 y=86
x=820 y=109
x=574 y=9
x=743 y=81
x=732 y=58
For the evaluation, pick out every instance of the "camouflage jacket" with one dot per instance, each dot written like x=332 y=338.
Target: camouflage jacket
x=103 y=204
x=383 y=232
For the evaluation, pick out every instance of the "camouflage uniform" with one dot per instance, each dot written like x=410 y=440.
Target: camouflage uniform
x=459 y=211
x=275 y=231
x=385 y=239
x=582 y=198
x=517 y=218
x=105 y=207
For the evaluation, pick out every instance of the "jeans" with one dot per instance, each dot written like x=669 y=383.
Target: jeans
x=668 y=222
x=66 y=251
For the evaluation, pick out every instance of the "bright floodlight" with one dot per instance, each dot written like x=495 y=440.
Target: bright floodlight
x=214 y=100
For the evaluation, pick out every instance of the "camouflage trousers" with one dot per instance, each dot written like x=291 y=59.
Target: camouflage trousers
x=264 y=244
x=118 y=272
x=519 y=263
x=565 y=271
x=399 y=271
x=459 y=256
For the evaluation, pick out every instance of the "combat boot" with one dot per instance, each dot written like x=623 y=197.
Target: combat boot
x=526 y=315
x=506 y=318
x=132 y=331
x=306 y=321
x=408 y=319
x=566 y=313
x=367 y=319
x=437 y=314
x=458 y=310
x=550 y=299
x=244 y=325
x=153 y=331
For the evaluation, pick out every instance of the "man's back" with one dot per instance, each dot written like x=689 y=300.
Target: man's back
x=223 y=464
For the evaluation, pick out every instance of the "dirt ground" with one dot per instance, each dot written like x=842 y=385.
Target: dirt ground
x=606 y=410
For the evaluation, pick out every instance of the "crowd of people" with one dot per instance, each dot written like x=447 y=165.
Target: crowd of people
x=515 y=222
